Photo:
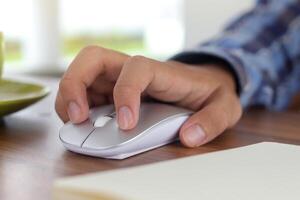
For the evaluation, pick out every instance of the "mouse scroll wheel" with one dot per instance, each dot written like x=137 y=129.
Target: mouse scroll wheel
x=102 y=120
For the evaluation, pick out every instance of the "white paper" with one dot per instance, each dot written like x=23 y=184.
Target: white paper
x=261 y=171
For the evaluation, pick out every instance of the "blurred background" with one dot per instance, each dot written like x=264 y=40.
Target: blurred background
x=43 y=36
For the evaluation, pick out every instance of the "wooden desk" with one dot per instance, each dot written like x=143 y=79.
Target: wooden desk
x=32 y=157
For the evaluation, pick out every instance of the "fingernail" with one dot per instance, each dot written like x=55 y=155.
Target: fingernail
x=194 y=135
x=73 y=112
x=124 y=117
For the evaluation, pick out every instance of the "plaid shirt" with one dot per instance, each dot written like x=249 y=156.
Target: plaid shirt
x=262 y=49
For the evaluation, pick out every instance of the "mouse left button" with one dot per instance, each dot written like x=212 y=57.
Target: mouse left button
x=75 y=134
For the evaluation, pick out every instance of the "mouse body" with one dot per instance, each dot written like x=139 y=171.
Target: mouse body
x=100 y=135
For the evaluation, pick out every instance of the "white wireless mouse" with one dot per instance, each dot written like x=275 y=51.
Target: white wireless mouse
x=100 y=135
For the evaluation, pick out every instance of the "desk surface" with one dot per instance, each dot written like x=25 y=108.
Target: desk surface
x=32 y=157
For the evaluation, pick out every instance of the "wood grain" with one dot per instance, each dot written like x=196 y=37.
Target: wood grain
x=32 y=157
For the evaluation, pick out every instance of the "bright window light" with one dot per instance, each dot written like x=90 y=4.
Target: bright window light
x=45 y=34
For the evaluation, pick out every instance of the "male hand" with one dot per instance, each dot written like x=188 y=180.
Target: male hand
x=99 y=76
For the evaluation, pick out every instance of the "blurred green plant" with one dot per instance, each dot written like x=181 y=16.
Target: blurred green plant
x=71 y=44
x=127 y=43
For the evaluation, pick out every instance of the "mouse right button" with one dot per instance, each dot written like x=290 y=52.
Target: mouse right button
x=75 y=134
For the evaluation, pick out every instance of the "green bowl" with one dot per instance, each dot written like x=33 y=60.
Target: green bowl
x=15 y=95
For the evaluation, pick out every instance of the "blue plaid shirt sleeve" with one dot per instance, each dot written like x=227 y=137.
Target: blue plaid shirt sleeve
x=262 y=49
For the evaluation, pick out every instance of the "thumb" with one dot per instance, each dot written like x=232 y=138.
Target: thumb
x=136 y=75
x=220 y=113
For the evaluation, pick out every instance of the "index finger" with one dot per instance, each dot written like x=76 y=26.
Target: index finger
x=85 y=68
x=138 y=74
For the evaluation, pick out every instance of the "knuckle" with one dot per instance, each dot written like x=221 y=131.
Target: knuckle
x=137 y=59
x=93 y=48
x=93 y=51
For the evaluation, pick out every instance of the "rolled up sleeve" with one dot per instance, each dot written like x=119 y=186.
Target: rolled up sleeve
x=262 y=49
